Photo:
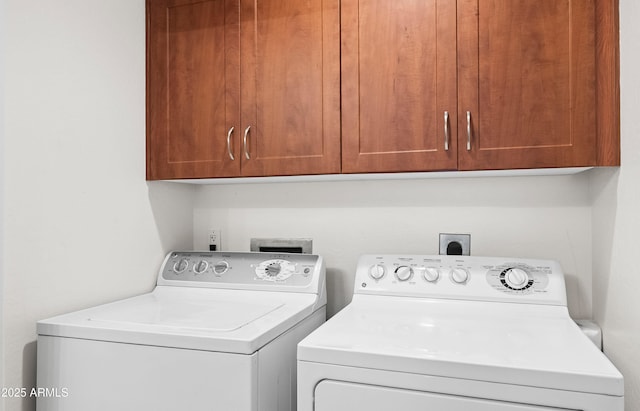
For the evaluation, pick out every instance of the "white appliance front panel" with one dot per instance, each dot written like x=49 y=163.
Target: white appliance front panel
x=311 y=375
x=344 y=396
x=105 y=376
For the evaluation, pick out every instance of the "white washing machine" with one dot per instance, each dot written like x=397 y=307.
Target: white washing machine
x=218 y=332
x=453 y=333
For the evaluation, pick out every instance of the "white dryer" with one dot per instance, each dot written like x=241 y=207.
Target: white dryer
x=218 y=332
x=453 y=333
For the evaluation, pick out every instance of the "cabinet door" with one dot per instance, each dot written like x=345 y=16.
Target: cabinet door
x=398 y=80
x=527 y=79
x=193 y=88
x=290 y=52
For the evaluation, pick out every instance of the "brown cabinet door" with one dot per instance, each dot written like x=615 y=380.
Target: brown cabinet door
x=193 y=88
x=398 y=80
x=290 y=53
x=527 y=79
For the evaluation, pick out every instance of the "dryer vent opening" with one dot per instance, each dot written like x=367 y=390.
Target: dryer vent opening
x=282 y=245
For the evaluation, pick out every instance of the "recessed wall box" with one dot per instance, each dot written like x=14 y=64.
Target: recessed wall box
x=455 y=244
x=284 y=245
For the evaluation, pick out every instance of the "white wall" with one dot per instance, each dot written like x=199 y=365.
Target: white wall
x=81 y=224
x=75 y=195
x=616 y=223
x=537 y=217
x=2 y=25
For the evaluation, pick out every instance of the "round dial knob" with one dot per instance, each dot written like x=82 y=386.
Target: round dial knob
x=180 y=266
x=221 y=267
x=201 y=267
x=516 y=278
x=273 y=269
x=404 y=273
x=459 y=275
x=377 y=271
x=431 y=274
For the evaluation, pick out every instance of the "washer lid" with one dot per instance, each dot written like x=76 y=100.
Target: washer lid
x=531 y=345
x=193 y=318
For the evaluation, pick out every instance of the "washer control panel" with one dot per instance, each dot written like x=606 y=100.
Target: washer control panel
x=462 y=277
x=258 y=270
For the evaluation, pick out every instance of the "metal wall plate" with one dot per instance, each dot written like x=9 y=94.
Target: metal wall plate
x=463 y=239
x=284 y=245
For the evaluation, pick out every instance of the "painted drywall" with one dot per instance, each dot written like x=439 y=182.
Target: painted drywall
x=2 y=162
x=616 y=223
x=82 y=226
x=536 y=217
x=75 y=195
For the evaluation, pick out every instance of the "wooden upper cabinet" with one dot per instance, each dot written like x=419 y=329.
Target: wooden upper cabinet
x=527 y=84
x=193 y=88
x=242 y=87
x=398 y=80
x=290 y=78
x=268 y=87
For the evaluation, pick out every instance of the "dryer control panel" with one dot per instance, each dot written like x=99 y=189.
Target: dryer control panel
x=462 y=277
x=242 y=270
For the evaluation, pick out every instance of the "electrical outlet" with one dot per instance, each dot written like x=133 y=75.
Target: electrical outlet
x=455 y=244
x=215 y=239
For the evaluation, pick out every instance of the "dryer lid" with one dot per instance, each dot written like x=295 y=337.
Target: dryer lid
x=537 y=346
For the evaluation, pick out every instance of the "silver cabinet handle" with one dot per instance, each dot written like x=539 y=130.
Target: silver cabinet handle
x=446 y=131
x=244 y=143
x=229 y=143
x=468 y=131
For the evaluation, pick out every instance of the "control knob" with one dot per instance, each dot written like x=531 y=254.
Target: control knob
x=516 y=278
x=201 y=267
x=273 y=269
x=180 y=266
x=431 y=274
x=404 y=273
x=221 y=267
x=459 y=275
x=377 y=271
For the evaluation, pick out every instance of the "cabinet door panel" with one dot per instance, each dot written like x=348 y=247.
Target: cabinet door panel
x=291 y=86
x=193 y=88
x=398 y=79
x=527 y=76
